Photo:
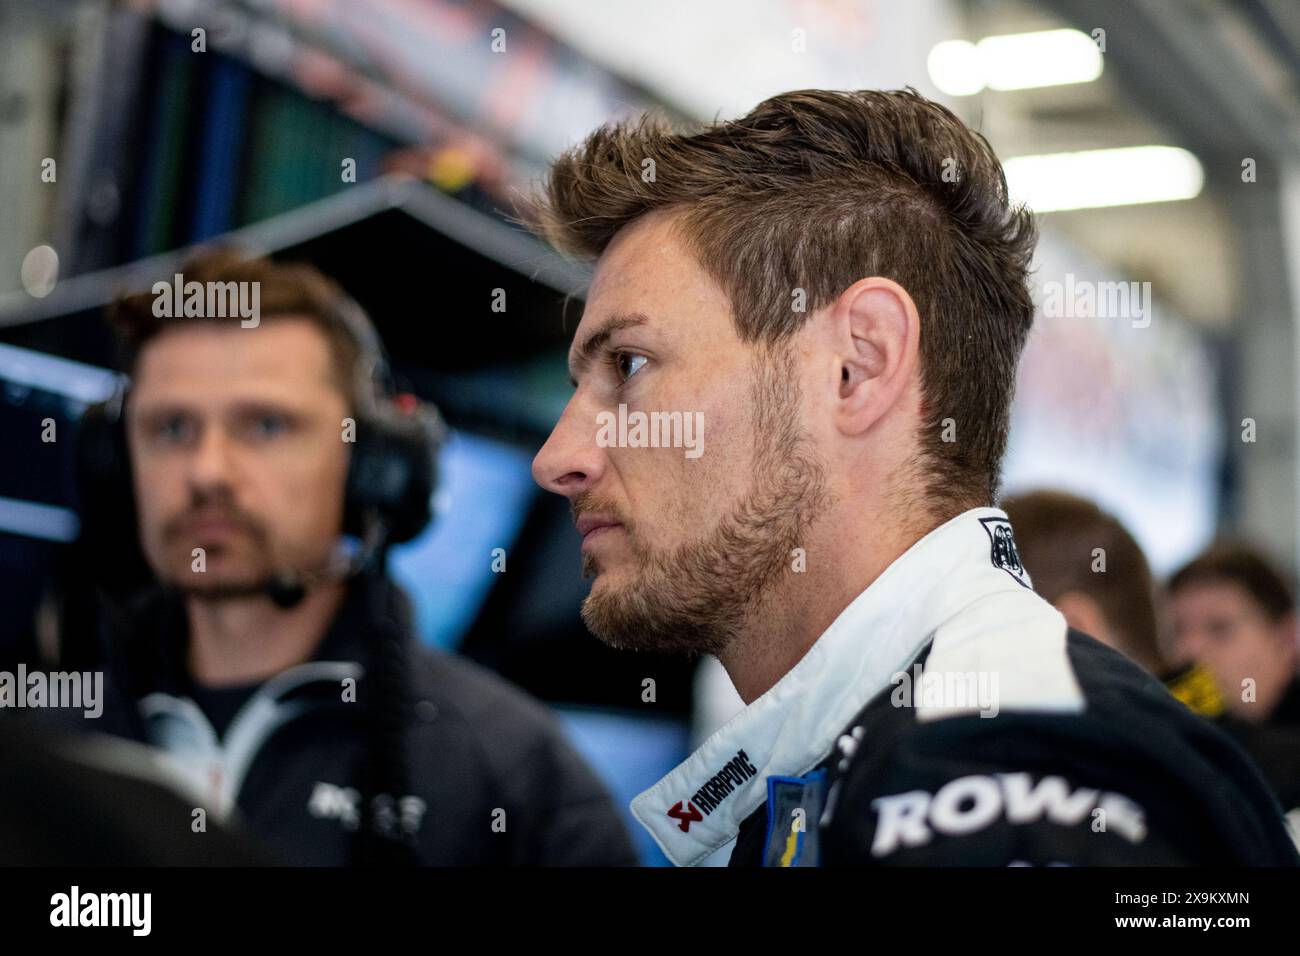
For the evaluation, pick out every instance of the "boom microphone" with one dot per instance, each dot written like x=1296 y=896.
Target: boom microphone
x=286 y=590
x=287 y=587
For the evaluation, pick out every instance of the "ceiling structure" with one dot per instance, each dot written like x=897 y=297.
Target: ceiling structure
x=738 y=53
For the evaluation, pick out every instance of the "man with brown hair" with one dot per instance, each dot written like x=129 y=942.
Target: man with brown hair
x=1085 y=562
x=281 y=678
x=1233 y=612
x=835 y=287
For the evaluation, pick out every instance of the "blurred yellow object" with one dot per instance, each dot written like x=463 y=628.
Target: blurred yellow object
x=452 y=168
x=1196 y=688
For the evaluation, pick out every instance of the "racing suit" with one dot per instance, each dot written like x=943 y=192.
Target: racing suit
x=948 y=715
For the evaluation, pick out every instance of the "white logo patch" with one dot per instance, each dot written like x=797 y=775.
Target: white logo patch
x=968 y=804
x=1005 y=555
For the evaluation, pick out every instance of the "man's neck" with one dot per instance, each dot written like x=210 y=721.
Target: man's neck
x=785 y=625
x=249 y=639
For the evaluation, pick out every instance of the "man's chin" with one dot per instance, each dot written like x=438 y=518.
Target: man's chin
x=627 y=617
x=613 y=629
x=217 y=587
x=601 y=574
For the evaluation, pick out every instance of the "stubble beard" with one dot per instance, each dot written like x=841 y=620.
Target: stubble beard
x=179 y=574
x=699 y=597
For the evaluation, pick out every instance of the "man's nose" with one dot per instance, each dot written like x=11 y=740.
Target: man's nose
x=1189 y=643
x=211 y=464
x=570 y=463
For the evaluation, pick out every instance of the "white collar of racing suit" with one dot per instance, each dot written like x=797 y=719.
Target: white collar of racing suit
x=967 y=569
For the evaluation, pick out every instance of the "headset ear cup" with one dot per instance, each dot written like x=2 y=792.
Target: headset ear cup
x=393 y=472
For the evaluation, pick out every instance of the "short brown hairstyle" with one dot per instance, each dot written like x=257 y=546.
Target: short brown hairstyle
x=1235 y=562
x=814 y=190
x=1056 y=532
x=284 y=289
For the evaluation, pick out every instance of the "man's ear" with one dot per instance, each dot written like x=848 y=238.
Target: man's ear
x=877 y=332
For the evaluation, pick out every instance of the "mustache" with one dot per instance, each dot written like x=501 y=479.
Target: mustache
x=589 y=504
x=178 y=525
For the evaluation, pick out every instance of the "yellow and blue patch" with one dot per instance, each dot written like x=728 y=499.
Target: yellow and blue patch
x=794 y=807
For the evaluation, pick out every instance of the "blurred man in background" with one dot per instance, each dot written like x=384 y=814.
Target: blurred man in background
x=1233 y=612
x=1089 y=566
x=288 y=689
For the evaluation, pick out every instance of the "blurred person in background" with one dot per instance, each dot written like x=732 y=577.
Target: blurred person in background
x=287 y=689
x=1086 y=563
x=1089 y=566
x=1234 y=613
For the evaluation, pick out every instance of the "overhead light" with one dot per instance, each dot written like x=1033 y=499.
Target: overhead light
x=954 y=67
x=1015 y=61
x=1020 y=61
x=1104 y=177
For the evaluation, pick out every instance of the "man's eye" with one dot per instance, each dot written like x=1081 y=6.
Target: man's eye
x=174 y=430
x=269 y=426
x=626 y=364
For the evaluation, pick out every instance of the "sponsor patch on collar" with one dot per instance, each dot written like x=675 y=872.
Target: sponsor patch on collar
x=716 y=789
x=1004 y=553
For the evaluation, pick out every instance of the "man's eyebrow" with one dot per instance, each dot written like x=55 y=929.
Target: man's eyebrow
x=240 y=407
x=593 y=343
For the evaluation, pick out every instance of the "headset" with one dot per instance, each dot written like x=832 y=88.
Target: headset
x=388 y=495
